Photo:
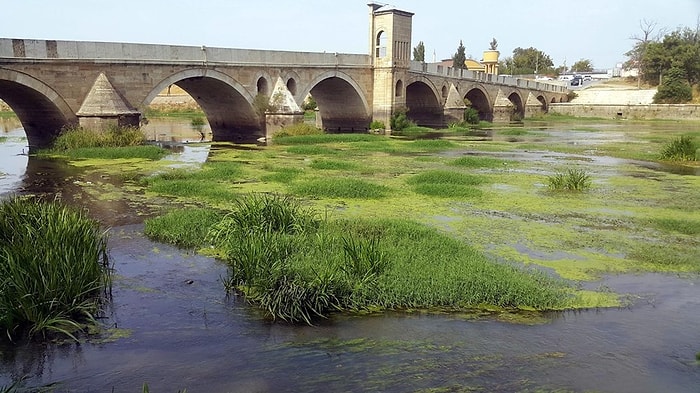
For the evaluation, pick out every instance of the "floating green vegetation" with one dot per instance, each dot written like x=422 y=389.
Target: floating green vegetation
x=282 y=175
x=7 y=114
x=297 y=267
x=340 y=188
x=310 y=150
x=53 y=264
x=111 y=153
x=573 y=179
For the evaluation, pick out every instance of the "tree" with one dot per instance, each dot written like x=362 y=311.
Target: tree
x=493 y=45
x=459 y=57
x=674 y=89
x=680 y=48
x=583 y=65
x=419 y=52
x=530 y=61
x=638 y=51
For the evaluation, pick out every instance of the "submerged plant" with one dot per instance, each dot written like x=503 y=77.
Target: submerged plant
x=573 y=179
x=53 y=268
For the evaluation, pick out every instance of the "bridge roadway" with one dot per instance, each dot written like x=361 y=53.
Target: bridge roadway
x=245 y=94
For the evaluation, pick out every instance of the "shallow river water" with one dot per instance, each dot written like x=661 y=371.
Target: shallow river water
x=171 y=326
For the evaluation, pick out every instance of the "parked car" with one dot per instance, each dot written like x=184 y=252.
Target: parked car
x=587 y=77
x=577 y=80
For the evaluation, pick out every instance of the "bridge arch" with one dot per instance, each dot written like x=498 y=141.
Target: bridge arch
x=40 y=109
x=543 y=100
x=424 y=104
x=227 y=105
x=518 y=105
x=479 y=98
x=342 y=106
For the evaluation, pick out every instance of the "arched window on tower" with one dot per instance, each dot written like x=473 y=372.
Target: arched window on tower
x=399 y=88
x=380 y=44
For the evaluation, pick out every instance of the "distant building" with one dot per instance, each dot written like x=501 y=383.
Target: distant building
x=489 y=64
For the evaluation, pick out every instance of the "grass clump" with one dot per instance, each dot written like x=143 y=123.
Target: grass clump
x=686 y=227
x=340 y=188
x=446 y=184
x=573 y=179
x=296 y=267
x=75 y=138
x=333 y=165
x=477 y=162
x=682 y=148
x=185 y=228
x=53 y=268
x=298 y=129
x=282 y=175
x=326 y=138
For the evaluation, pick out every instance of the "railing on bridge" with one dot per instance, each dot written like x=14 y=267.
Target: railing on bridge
x=437 y=69
x=113 y=51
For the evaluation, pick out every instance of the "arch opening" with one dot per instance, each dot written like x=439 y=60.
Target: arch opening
x=399 y=88
x=380 y=44
x=518 y=108
x=480 y=102
x=340 y=106
x=423 y=106
x=42 y=118
x=263 y=87
x=292 y=86
x=543 y=101
x=231 y=117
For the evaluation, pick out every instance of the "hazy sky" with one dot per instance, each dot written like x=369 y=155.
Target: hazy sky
x=567 y=31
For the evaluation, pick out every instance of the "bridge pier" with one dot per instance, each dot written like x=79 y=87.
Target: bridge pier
x=104 y=108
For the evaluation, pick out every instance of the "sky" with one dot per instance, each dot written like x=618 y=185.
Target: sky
x=567 y=31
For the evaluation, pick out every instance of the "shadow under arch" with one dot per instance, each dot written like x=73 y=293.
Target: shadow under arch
x=518 y=106
x=341 y=104
x=544 y=104
x=41 y=110
x=227 y=105
x=424 y=105
x=480 y=101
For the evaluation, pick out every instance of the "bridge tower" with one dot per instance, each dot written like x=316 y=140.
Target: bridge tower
x=390 y=50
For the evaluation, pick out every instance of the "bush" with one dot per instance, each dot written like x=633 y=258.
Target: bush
x=674 y=89
x=53 y=268
x=400 y=120
x=377 y=125
x=471 y=116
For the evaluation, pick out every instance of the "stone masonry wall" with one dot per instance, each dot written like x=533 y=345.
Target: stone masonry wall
x=652 y=111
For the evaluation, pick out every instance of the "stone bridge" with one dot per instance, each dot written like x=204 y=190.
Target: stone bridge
x=248 y=94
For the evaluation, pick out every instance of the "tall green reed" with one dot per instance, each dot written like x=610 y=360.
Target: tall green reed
x=53 y=268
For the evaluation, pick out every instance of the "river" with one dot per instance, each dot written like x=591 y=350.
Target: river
x=172 y=326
